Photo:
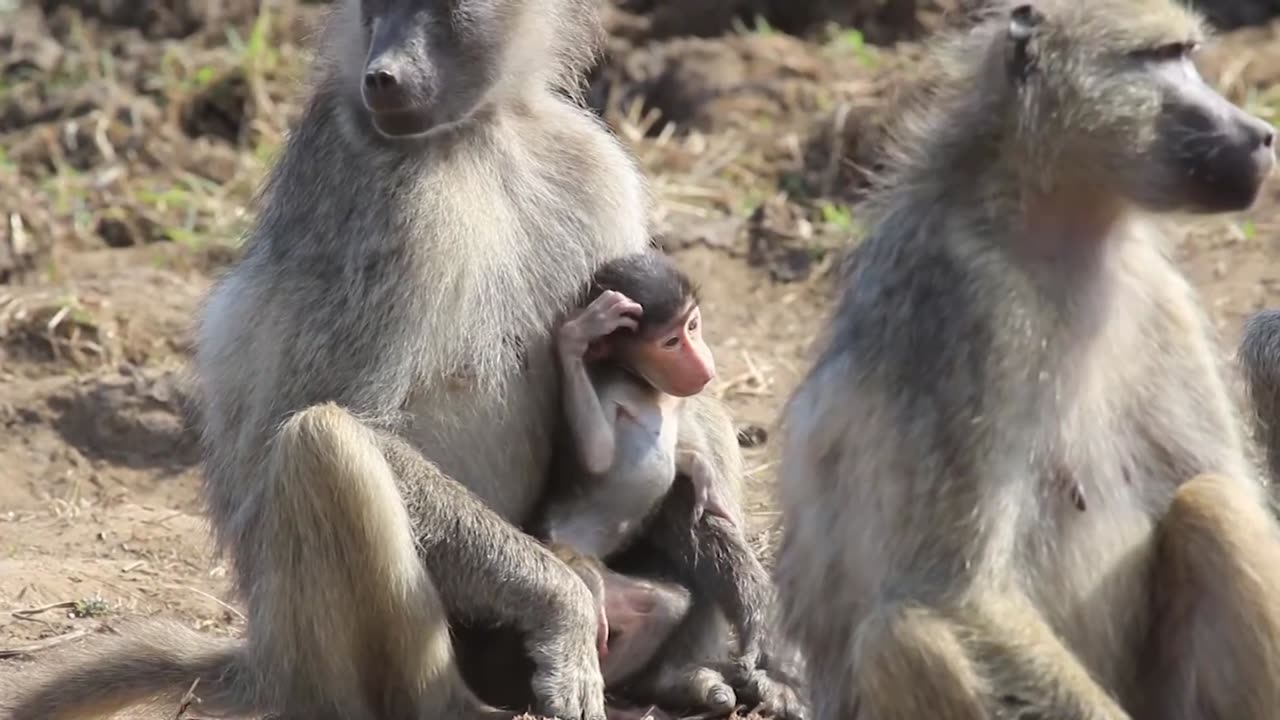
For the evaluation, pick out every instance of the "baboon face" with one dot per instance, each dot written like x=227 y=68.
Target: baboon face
x=1116 y=90
x=1214 y=155
x=430 y=62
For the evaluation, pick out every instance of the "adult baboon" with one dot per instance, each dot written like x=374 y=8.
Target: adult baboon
x=1011 y=327
x=378 y=384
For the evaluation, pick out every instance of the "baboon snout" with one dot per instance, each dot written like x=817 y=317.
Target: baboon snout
x=383 y=91
x=398 y=73
x=1250 y=147
x=1222 y=154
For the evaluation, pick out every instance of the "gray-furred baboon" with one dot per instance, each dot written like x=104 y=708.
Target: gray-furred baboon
x=1260 y=360
x=378 y=387
x=1012 y=323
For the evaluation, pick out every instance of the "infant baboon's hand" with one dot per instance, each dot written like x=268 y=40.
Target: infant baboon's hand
x=710 y=494
x=609 y=312
x=779 y=697
x=567 y=682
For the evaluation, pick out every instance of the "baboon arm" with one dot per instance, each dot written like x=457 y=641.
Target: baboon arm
x=591 y=421
x=485 y=568
x=1215 y=636
x=714 y=558
x=1016 y=651
x=713 y=552
x=705 y=429
x=992 y=656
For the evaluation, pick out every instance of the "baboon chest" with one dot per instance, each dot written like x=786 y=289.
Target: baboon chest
x=510 y=253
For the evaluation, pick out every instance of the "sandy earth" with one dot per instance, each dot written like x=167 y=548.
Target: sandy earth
x=129 y=147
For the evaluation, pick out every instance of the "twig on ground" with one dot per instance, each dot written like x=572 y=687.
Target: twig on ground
x=29 y=612
x=197 y=591
x=187 y=699
x=45 y=644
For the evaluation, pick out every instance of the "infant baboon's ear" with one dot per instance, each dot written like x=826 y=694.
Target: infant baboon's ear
x=1024 y=25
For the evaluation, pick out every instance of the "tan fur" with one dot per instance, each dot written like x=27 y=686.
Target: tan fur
x=1011 y=323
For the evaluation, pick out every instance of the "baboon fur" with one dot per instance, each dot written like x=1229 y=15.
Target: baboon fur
x=378 y=389
x=1011 y=323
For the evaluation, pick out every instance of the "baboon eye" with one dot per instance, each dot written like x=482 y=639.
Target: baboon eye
x=671 y=342
x=1170 y=51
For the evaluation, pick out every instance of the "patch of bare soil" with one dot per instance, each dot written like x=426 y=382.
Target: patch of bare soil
x=132 y=136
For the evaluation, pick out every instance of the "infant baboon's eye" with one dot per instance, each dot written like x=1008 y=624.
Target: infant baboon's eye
x=671 y=342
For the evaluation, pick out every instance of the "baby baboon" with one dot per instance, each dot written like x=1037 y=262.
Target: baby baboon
x=378 y=382
x=627 y=367
x=613 y=477
x=1012 y=324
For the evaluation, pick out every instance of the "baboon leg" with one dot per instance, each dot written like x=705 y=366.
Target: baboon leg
x=909 y=663
x=687 y=672
x=343 y=579
x=989 y=658
x=1215 y=634
x=715 y=560
x=642 y=616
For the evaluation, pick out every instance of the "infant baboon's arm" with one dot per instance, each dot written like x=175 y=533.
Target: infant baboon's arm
x=591 y=425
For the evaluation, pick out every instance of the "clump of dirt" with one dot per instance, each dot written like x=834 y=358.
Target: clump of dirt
x=139 y=417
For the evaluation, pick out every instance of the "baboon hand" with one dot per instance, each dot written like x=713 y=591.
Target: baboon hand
x=567 y=682
x=610 y=311
x=778 y=698
x=709 y=495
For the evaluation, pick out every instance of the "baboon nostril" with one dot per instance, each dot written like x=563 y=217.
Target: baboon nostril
x=1269 y=138
x=379 y=80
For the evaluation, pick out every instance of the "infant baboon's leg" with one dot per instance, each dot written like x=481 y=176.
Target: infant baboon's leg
x=642 y=615
x=731 y=591
x=1215 y=633
x=342 y=575
x=687 y=672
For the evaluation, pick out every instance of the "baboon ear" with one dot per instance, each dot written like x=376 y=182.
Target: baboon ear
x=1024 y=26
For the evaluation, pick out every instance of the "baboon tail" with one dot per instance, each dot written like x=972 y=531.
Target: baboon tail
x=152 y=663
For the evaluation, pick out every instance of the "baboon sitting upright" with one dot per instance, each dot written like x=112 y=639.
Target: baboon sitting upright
x=379 y=392
x=1012 y=326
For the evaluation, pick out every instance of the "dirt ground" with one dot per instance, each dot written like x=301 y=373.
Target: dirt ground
x=133 y=135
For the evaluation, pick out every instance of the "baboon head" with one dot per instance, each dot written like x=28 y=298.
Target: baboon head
x=1108 y=96
x=427 y=64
